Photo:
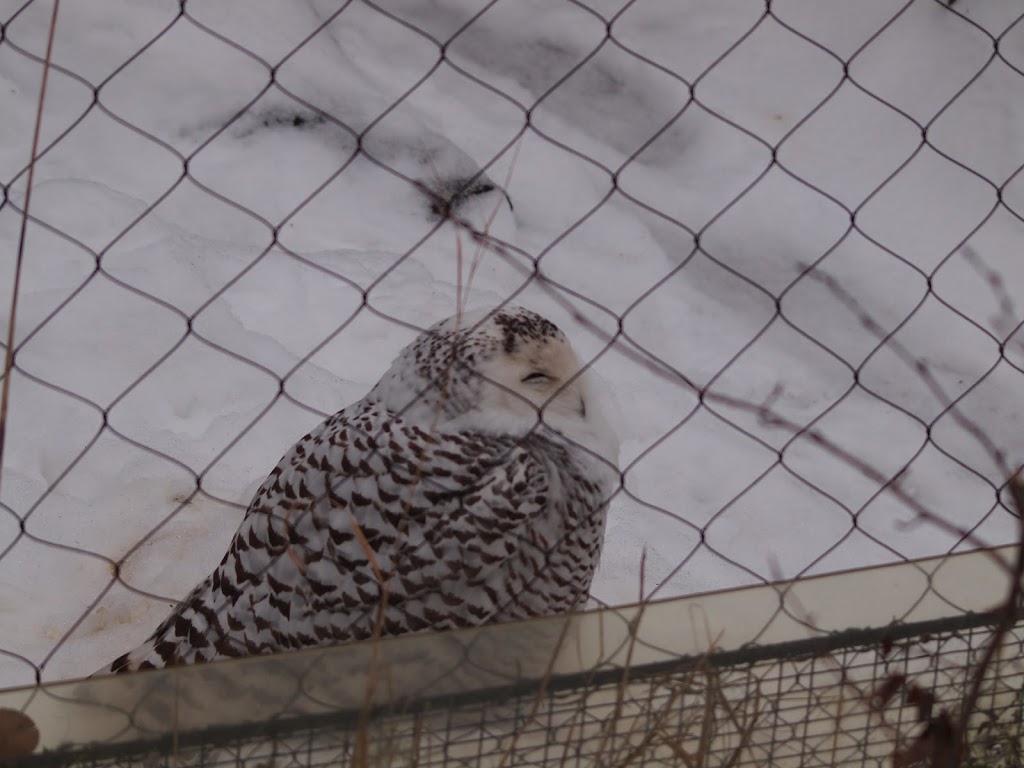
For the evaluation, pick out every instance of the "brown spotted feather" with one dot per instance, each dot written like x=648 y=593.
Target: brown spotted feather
x=422 y=507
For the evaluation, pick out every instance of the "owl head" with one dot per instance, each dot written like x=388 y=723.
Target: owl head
x=504 y=371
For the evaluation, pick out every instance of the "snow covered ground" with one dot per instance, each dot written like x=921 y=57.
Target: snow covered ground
x=235 y=229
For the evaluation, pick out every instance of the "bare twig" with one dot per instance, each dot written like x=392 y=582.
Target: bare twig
x=5 y=391
x=1006 y=310
x=1007 y=614
x=919 y=366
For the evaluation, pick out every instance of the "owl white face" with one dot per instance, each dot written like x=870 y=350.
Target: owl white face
x=537 y=380
x=513 y=371
x=531 y=377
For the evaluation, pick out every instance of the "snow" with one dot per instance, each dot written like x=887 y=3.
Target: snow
x=232 y=236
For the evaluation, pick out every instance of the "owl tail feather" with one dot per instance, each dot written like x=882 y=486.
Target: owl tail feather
x=143 y=657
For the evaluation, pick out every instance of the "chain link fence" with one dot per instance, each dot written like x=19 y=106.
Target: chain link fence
x=785 y=238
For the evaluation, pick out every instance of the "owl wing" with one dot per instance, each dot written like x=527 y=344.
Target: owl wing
x=370 y=526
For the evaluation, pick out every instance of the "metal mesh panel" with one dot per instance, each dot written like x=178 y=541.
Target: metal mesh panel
x=787 y=236
x=858 y=697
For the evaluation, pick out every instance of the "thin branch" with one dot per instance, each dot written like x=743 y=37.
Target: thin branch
x=1006 y=315
x=1008 y=613
x=919 y=366
x=5 y=391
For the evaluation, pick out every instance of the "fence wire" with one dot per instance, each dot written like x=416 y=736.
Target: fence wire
x=875 y=696
x=784 y=236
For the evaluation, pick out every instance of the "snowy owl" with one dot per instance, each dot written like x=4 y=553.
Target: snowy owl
x=469 y=486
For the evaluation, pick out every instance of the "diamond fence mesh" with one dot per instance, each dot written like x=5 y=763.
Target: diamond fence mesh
x=785 y=236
